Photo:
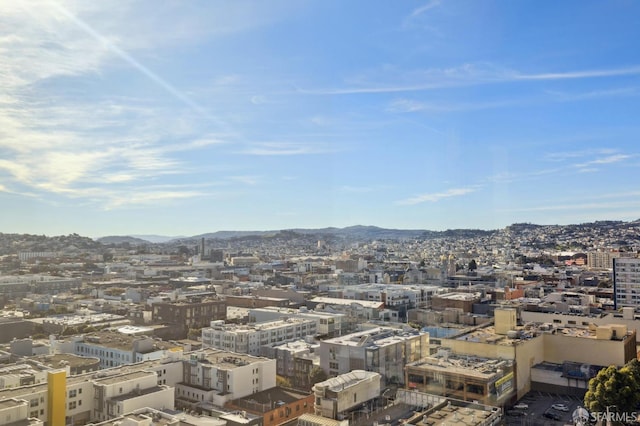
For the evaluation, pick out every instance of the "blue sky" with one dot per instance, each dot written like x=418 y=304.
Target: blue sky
x=184 y=117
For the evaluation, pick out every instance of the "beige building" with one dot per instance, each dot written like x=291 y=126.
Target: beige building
x=534 y=344
x=463 y=377
x=336 y=396
x=384 y=350
x=198 y=381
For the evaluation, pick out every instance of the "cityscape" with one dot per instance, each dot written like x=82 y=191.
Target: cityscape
x=333 y=326
x=319 y=213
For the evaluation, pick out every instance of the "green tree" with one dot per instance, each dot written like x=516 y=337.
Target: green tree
x=283 y=382
x=613 y=387
x=317 y=375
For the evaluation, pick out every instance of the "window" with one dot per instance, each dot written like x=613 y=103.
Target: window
x=72 y=393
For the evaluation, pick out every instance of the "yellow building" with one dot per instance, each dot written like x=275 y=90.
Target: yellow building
x=535 y=344
x=56 y=397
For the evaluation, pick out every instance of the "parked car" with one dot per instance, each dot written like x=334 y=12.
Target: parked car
x=521 y=406
x=560 y=407
x=515 y=413
x=551 y=415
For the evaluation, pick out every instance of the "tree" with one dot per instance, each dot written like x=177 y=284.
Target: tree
x=613 y=387
x=317 y=375
x=283 y=382
x=473 y=265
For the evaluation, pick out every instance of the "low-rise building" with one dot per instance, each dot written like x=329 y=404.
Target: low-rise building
x=114 y=348
x=276 y=405
x=336 y=396
x=194 y=312
x=216 y=377
x=248 y=339
x=467 y=378
x=384 y=350
x=328 y=324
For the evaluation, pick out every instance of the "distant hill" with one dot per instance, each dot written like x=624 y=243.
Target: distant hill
x=157 y=238
x=117 y=239
x=356 y=232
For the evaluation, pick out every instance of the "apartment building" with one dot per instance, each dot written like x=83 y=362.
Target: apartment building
x=277 y=406
x=384 y=350
x=336 y=396
x=626 y=282
x=248 y=339
x=327 y=323
x=604 y=259
x=394 y=296
x=115 y=349
x=198 y=381
x=213 y=377
x=467 y=378
x=16 y=412
x=194 y=312
x=117 y=395
x=536 y=343
x=285 y=355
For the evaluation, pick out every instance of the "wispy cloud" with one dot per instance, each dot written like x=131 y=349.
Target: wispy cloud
x=471 y=74
x=437 y=196
x=287 y=148
x=419 y=12
x=427 y=6
x=571 y=75
x=510 y=177
x=609 y=159
x=247 y=180
x=408 y=105
x=563 y=156
x=594 y=94
x=99 y=147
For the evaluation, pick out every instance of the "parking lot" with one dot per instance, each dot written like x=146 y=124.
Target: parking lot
x=539 y=403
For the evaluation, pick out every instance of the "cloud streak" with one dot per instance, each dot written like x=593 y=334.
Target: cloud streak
x=436 y=196
x=469 y=75
x=286 y=148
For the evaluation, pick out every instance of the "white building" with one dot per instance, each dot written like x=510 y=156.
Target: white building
x=626 y=281
x=17 y=412
x=382 y=349
x=248 y=339
x=216 y=377
x=327 y=323
x=115 y=396
x=337 y=395
x=115 y=349
x=197 y=381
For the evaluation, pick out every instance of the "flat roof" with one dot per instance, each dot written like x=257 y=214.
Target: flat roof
x=347 y=302
x=380 y=336
x=60 y=360
x=460 y=416
x=274 y=395
x=346 y=380
x=472 y=366
x=226 y=359
x=9 y=403
x=267 y=325
x=124 y=377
